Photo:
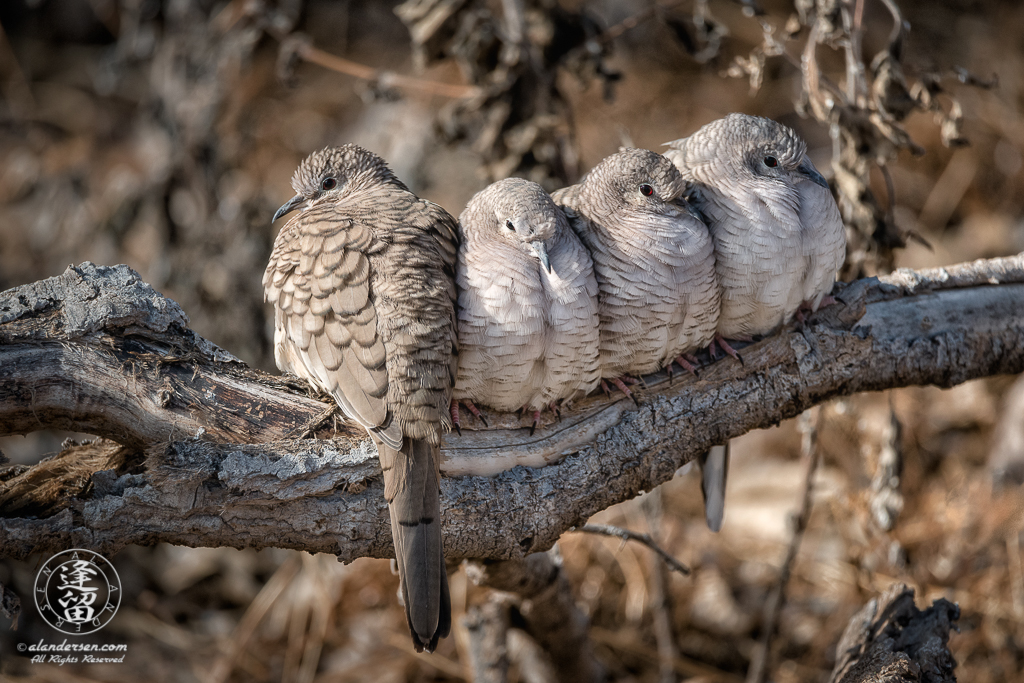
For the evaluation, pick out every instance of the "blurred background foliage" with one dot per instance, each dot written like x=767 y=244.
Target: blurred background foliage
x=163 y=134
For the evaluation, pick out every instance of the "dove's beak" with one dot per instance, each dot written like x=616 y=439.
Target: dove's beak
x=806 y=168
x=289 y=206
x=542 y=254
x=686 y=207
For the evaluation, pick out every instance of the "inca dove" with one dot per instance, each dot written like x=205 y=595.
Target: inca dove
x=528 y=328
x=658 y=293
x=362 y=283
x=779 y=239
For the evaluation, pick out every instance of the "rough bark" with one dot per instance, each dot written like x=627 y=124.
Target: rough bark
x=891 y=641
x=96 y=350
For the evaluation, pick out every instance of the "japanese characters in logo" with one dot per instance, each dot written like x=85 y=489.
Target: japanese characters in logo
x=77 y=592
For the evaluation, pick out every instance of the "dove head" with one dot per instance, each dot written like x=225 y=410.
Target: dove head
x=517 y=211
x=635 y=181
x=334 y=172
x=752 y=151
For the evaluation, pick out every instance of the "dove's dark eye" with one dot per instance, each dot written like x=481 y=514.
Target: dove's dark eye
x=646 y=190
x=770 y=161
x=508 y=224
x=329 y=183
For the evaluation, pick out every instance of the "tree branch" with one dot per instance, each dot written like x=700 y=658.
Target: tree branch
x=91 y=350
x=891 y=640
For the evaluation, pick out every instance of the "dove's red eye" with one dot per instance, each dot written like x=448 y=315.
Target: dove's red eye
x=771 y=162
x=329 y=183
x=646 y=190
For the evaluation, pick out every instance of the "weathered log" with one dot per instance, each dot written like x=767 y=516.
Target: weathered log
x=891 y=641
x=941 y=327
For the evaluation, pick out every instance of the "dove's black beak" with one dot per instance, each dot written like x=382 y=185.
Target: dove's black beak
x=806 y=168
x=289 y=206
x=542 y=254
x=685 y=206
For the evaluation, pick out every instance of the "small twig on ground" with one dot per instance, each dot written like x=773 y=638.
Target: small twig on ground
x=252 y=618
x=807 y=423
x=661 y=599
x=630 y=643
x=627 y=535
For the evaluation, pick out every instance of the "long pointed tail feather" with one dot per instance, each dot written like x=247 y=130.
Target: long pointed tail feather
x=714 y=469
x=412 y=489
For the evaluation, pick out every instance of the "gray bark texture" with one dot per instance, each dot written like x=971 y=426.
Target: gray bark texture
x=199 y=450
x=891 y=641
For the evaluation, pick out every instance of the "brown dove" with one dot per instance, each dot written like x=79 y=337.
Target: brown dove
x=362 y=282
x=779 y=238
x=657 y=289
x=528 y=326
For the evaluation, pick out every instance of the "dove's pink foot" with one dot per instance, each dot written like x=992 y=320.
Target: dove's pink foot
x=471 y=408
x=687 y=362
x=453 y=408
x=536 y=414
x=620 y=384
x=536 y=421
x=720 y=340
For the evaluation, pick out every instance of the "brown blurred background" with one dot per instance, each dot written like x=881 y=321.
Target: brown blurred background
x=163 y=135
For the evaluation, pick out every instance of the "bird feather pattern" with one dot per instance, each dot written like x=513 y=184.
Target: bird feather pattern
x=362 y=281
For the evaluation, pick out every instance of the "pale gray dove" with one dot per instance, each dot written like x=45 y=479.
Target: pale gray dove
x=779 y=238
x=528 y=327
x=657 y=289
x=362 y=282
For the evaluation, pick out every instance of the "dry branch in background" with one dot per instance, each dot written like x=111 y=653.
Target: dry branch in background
x=941 y=326
x=518 y=121
x=891 y=640
x=864 y=108
x=760 y=663
x=548 y=612
x=487 y=626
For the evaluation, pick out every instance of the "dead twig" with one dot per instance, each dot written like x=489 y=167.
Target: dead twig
x=627 y=535
x=661 y=597
x=808 y=424
x=300 y=46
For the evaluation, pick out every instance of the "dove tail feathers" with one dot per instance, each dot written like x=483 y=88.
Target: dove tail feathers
x=714 y=469
x=412 y=489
